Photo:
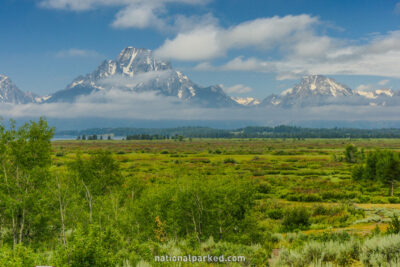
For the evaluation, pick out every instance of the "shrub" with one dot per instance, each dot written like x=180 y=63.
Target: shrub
x=275 y=214
x=296 y=219
x=351 y=154
x=19 y=256
x=230 y=160
x=394 y=225
x=312 y=198
x=60 y=154
x=381 y=251
x=321 y=253
x=394 y=200
x=92 y=247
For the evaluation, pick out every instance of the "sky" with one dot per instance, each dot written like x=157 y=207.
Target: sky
x=251 y=47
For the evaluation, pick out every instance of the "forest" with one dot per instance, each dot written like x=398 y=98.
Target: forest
x=282 y=131
x=274 y=202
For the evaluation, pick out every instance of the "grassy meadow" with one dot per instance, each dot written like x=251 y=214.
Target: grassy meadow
x=288 y=175
x=233 y=202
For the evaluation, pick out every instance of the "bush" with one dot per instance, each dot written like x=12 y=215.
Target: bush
x=338 y=253
x=394 y=225
x=60 y=154
x=351 y=154
x=394 y=200
x=312 y=198
x=19 y=256
x=296 y=219
x=230 y=160
x=275 y=214
x=91 y=247
x=381 y=251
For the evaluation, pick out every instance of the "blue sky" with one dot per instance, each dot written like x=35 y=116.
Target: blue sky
x=252 y=47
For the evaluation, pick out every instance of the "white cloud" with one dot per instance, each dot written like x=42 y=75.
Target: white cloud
x=365 y=87
x=204 y=66
x=249 y=64
x=379 y=57
x=82 y=5
x=199 y=44
x=118 y=104
x=138 y=16
x=212 y=41
x=77 y=53
x=237 y=89
x=132 y=13
x=121 y=81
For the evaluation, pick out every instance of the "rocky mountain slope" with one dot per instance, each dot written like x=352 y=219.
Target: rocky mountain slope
x=138 y=71
x=318 y=90
x=10 y=93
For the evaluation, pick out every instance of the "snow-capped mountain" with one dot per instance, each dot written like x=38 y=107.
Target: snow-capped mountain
x=246 y=101
x=10 y=93
x=138 y=71
x=311 y=91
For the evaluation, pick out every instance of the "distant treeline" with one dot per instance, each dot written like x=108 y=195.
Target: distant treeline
x=147 y=137
x=281 y=131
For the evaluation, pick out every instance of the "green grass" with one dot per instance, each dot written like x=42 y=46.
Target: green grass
x=288 y=174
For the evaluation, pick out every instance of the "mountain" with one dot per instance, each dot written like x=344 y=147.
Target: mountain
x=10 y=93
x=138 y=71
x=313 y=90
x=318 y=90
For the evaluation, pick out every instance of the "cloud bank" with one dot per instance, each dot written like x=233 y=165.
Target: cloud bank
x=116 y=104
x=297 y=47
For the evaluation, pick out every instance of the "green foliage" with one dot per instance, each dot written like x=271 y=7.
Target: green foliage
x=25 y=159
x=351 y=154
x=99 y=173
x=380 y=165
x=394 y=225
x=89 y=248
x=19 y=256
x=230 y=160
x=218 y=208
x=296 y=219
x=132 y=200
x=334 y=252
x=381 y=251
x=275 y=214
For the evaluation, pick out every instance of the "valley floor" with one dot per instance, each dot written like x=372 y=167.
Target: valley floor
x=288 y=174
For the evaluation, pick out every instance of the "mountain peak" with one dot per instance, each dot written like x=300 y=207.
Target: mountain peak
x=130 y=52
x=3 y=78
x=10 y=93
x=133 y=60
x=321 y=85
x=137 y=70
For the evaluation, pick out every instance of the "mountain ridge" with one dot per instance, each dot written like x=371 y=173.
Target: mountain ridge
x=10 y=93
x=319 y=90
x=137 y=70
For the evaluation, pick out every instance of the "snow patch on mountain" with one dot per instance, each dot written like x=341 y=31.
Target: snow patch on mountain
x=246 y=101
